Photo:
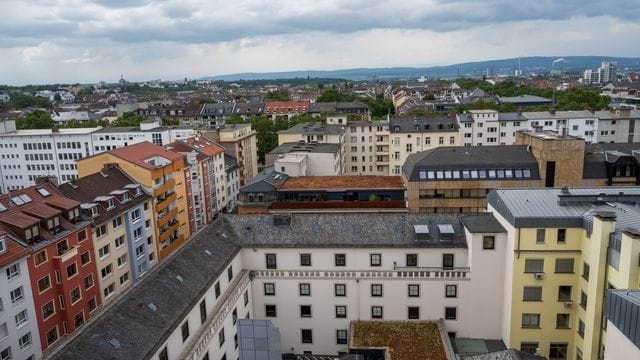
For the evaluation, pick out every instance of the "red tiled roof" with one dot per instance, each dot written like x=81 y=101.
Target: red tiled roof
x=138 y=153
x=205 y=145
x=283 y=106
x=342 y=182
x=15 y=250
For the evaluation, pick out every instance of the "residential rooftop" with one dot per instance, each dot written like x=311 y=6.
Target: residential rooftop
x=437 y=123
x=140 y=153
x=314 y=128
x=306 y=147
x=342 y=182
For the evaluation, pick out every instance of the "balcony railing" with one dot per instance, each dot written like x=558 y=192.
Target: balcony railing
x=410 y=273
x=67 y=255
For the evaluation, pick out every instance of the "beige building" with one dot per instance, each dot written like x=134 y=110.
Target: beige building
x=239 y=141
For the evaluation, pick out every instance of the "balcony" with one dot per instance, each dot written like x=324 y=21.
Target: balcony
x=166 y=233
x=164 y=201
x=72 y=252
x=173 y=245
x=166 y=217
x=161 y=189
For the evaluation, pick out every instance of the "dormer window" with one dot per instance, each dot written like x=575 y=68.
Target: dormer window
x=53 y=224
x=74 y=215
x=138 y=191
x=94 y=211
x=110 y=204
x=3 y=245
x=32 y=234
x=125 y=197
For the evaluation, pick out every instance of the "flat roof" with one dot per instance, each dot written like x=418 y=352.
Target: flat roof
x=342 y=182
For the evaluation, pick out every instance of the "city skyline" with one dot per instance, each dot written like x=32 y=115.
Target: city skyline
x=88 y=41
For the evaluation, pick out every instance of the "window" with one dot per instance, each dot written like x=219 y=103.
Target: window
x=40 y=257
x=340 y=259
x=271 y=261
x=583 y=300
x=122 y=260
x=375 y=259
x=533 y=265
x=25 y=340
x=72 y=270
x=564 y=266
x=106 y=271
x=305 y=259
x=270 y=310
x=305 y=311
x=376 y=290
x=413 y=290
x=376 y=312
x=530 y=320
x=585 y=271
x=450 y=313
x=137 y=233
x=230 y=273
x=489 y=242
x=185 y=330
x=246 y=297
x=558 y=351
x=269 y=289
x=307 y=336
x=216 y=288
x=48 y=309
x=108 y=291
x=340 y=289
x=91 y=304
x=75 y=295
x=532 y=293
x=540 y=236
x=13 y=271
x=447 y=261
x=341 y=311
x=119 y=241
x=412 y=259
x=78 y=319
x=124 y=278
x=5 y=354
x=564 y=293
x=52 y=335
x=305 y=289
x=21 y=318
x=63 y=247
x=117 y=222
x=580 y=327
x=88 y=281
x=85 y=258
x=163 y=354
x=44 y=283
x=17 y=294
x=103 y=251
x=341 y=336
x=413 y=313
x=135 y=215
x=101 y=230
x=221 y=337
x=451 y=291
x=562 y=321
x=562 y=236
x=529 y=347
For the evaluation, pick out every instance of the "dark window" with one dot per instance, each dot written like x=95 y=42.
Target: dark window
x=341 y=336
x=412 y=259
x=376 y=312
x=562 y=236
x=307 y=336
x=216 y=287
x=581 y=328
x=221 y=337
x=340 y=289
x=164 y=355
x=564 y=293
x=341 y=259
x=529 y=347
x=203 y=311
x=375 y=259
x=532 y=293
x=489 y=242
x=583 y=300
x=376 y=290
x=540 y=236
x=413 y=313
x=451 y=291
x=271 y=261
x=305 y=310
x=534 y=265
x=270 y=311
x=585 y=271
x=450 y=313
x=185 y=331
x=562 y=321
x=530 y=320
x=413 y=290
x=558 y=351
x=269 y=288
x=564 y=266
x=230 y=273
x=305 y=259
x=447 y=261
x=246 y=297
x=305 y=289
x=341 y=311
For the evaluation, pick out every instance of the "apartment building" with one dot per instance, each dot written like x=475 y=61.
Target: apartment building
x=565 y=247
x=367 y=148
x=273 y=109
x=232 y=182
x=356 y=109
x=239 y=141
x=457 y=179
x=206 y=170
x=61 y=270
x=413 y=134
x=311 y=276
x=19 y=336
x=489 y=127
x=109 y=138
x=121 y=215
x=162 y=174
x=618 y=126
x=26 y=155
x=307 y=159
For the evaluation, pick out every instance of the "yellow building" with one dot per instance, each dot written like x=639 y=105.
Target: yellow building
x=162 y=173
x=565 y=248
x=239 y=141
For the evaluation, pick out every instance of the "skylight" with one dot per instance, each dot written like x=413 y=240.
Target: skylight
x=44 y=192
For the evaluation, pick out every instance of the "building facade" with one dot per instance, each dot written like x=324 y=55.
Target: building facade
x=239 y=141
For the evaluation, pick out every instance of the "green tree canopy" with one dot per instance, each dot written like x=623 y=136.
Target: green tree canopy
x=128 y=119
x=334 y=95
x=278 y=95
x=37 y=119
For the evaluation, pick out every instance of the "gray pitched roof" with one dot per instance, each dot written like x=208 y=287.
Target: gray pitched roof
x=306 y=147
x=332 y=107
x=140 y=330
x=482 y=223
x=346 y=231
x=522 y=99
x=595 y=157
x=435 y=123
x=470 y=158
x=267 y=180
x=313 y=128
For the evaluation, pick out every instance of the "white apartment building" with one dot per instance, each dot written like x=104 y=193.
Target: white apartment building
x=489 y=127
x=19 y=337
x=109 y=138
x=582 y=124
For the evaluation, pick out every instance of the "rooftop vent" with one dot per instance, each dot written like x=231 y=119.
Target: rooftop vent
x=115 y=343
x=206 y=251
x=153 y=307
x=180 y=279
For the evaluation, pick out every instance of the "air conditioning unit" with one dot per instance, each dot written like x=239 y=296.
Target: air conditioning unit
x=568 y=304
x=539 y=276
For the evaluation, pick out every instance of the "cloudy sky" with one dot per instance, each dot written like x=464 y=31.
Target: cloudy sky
x=46 y=41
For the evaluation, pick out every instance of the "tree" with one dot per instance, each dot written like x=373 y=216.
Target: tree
x=266 y=137
x=128 y=119
x=379 y=107
x=37 y=119
x=235 y=119
x=57 y=97
x=73 y=123
x=22 y=101
x=334 y=95
x=278 y=95
x=167 y=121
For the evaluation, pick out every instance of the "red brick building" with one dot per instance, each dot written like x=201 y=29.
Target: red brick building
x=61 y=267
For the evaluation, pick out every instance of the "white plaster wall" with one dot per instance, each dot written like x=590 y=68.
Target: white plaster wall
x=618 y=346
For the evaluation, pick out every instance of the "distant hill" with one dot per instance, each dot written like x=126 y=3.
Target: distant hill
x=536 y=64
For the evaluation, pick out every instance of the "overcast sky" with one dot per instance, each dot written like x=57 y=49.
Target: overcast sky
x=46 y=41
